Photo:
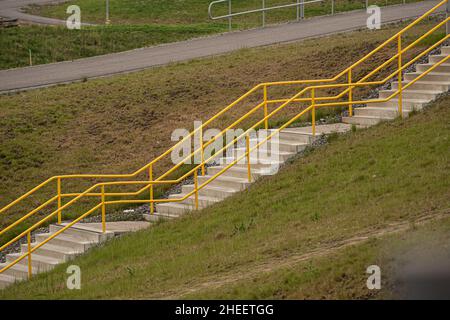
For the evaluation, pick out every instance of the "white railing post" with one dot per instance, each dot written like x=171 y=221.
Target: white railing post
x=229 y=13
x=263 y=13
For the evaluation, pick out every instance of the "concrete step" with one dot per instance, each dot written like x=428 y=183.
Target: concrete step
x=445 y=50
x=444 y=67
x=83 y=232
x=203 y=201
x=436 y=58
x=156 y=216
x=412 y=94
x=211 y=191
x=264 y=167
x=226 y=182
x=291 y=134
x=280 y=145
x=18 y=271
x=372 y=111
x=236 y=172
x=174 y=208
x=66 y=240
x=425 y=85
x=432 y=76
x=265 y=154
x=6 y=280
x=53 y=251
x=407 y=104
x=41 y=263
x=364 y=120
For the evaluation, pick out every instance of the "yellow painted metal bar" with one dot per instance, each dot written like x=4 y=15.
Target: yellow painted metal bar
x=266 y=123
x=247 y=147
x=202 y=152
x=196 y=189
x=58 y=182
x=30 y=266
x=103 y=210
x=400 y=89
x=313 y=115
x=350 y=94
x=150 y=175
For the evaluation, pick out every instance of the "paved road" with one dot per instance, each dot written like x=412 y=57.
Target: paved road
x=70 y=71
x=11 y=9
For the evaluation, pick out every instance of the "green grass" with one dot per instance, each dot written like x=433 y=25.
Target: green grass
x=359 y=183
x=194 y=11
x=118 y=124
x=54 y=43
x=136 y=24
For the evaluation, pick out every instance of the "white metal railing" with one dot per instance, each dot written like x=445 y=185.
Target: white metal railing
x=300 y=7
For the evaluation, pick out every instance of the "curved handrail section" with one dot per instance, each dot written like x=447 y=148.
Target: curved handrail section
x=306 y=95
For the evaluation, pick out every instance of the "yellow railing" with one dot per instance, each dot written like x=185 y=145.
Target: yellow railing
x=306 y=95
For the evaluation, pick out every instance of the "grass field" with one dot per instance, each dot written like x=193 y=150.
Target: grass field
x=117 y=125
x=135 y=24
x=362 y=184
x=195 y=11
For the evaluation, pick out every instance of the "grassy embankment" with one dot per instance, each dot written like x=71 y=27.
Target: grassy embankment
x=135 y=24
x=120 y=123
x=282 y=238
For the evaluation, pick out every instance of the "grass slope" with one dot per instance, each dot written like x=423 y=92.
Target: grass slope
x=359 y=183
x=120 y=123
x=55 y=43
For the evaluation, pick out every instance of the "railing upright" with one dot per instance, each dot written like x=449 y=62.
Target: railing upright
x=150 y=178
x=103 y=210
x=313 y=114
x=266 y=121
x=30 y=267
x=400 y=85
x=58 y=190
x=350 y=94
x=247 y=145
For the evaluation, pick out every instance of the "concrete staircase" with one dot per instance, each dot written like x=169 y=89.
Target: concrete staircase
x=64 y=247
x=414 y=98
x=287 y=143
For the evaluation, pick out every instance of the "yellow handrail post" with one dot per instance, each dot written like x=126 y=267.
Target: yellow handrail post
x=196 y=189
x=350 y=94
x=58 y=187
x=150 y=178
x=103 y=210
x=313 y=116
x=266 y=121
x=30 y=267
x=202 y=151
x=247 y=144
x=400 y=86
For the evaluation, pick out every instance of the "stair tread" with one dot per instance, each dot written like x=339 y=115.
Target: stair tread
x=413 y=91
x=432 y=64
x=368 y=117
x=257 y=160
x=174 y=204
x=227 y=178
x=216 y=188
x=276 y=152
x=80 y=226
x=239 y=169
x=7 y=278
x=200 y=197
x=37 y=257
x=19 y=267
x=285 y=141
x=431 y=72
x=426 y=82
x=68 y=237
x=56 y=248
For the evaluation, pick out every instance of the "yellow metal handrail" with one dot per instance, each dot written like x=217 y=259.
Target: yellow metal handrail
x=313 y=99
